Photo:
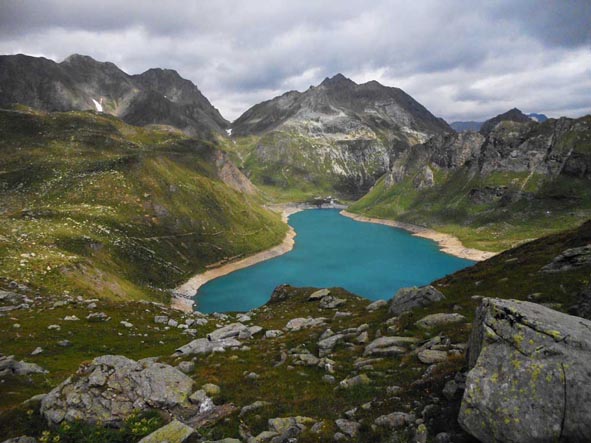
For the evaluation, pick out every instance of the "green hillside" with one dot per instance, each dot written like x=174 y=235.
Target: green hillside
x=93 y=205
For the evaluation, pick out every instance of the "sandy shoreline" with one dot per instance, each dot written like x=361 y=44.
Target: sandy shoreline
x=447 y=242
x=183 y=295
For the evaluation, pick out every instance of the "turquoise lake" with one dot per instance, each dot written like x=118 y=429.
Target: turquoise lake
x=331 y=250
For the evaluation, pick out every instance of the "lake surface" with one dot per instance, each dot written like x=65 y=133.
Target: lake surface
x=331 y=250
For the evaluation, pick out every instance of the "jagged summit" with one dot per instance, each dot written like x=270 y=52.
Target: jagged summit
x=338 y=80
x=79 y=82
x=514 y=115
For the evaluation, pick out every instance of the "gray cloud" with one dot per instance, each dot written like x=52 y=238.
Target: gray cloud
x=462 y=59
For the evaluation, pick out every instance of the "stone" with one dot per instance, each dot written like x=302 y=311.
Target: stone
x=64 y=343
x=173 y=432
x=126 y=324
x=326 y=345
x=97 y=316
x=305 y=360
x=211 y=389
x=348 y=427
x=362 y=338
x=299 y=323
x=529 y=378
x=570 y=259
x=161 y=319
x=202 y=400
x=229 y=331
x=357 y=380
x=172 y=323
x=430 y=356
x=10 y=366
x=22 y=439
x=253 y=407
x=205 y=346
x=408 y=299
x=327 y=378
x=252 y=376
x=421 y=434
x=282 y=424
x=38 y=350
x=71 y=318
x=111 y=387
x=273 y=333
x=186 y=366
x=389 y=345
x=442 y=437
x=378 y=304
x=318 y=295
x=394 y=420
x=54 y=327
x=451 y=390
x=331 y=302
x=440 y=319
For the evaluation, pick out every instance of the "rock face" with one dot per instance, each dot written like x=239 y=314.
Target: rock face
x=514 y=173
x=158 y=96
x=338 y=132
x=407 y=299
x=111 y=387
x=529 y=379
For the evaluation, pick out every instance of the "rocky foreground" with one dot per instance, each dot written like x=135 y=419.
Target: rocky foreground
x=383 y=374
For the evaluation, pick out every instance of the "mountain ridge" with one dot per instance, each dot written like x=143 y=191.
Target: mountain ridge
x=80 y=83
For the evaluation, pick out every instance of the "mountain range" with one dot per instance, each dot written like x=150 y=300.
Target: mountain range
x=116 y=188
x=157 y=96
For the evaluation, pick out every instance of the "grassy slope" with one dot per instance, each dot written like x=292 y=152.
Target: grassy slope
x=90 y=204
x=495 y=226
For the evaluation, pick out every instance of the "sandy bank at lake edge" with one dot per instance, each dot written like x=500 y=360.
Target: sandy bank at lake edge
x=183 y=295
x=447 y=243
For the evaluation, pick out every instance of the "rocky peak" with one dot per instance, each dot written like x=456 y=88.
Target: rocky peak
x=338 y=81
x=514 y=115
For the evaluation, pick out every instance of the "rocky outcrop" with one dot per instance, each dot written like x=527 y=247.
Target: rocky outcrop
x=529 y=379
x=570 y=259
x=408 y=299
x=111 y=387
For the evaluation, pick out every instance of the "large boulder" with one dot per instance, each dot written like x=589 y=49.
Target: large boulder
x=530 y=379
x=407 y=299
x=570 y=259
x=111 y=387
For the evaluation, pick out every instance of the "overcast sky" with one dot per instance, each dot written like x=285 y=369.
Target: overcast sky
x=463 y=60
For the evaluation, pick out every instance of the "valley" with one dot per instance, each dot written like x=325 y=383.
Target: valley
x=121 y=195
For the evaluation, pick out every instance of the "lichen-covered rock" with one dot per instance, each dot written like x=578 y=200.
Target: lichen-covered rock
x=440 y=319
x=407 y=299
x=111 y=387
x=173 y=432
x=529 y=379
